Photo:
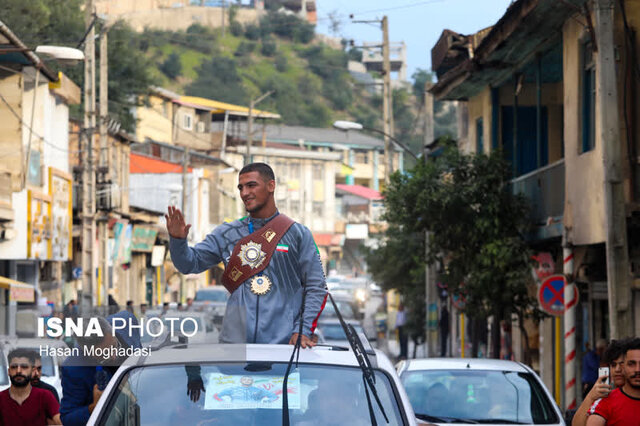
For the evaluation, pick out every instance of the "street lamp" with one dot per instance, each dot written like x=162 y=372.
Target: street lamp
x=62 y=54
x=352 y=125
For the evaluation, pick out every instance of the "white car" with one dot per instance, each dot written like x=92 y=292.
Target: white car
x=477 y=391
x=197 y=326
x=234 y=384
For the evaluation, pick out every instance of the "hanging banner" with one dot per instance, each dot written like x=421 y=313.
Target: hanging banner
x=61 y=193
x=122 y=231
x=38 y=225
x=143 y=238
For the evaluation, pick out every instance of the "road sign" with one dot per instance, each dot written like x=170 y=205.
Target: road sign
x=76 y=273
x=458 y=301
x=551 y=295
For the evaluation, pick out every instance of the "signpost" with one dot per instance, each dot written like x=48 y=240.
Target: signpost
x=551 y=295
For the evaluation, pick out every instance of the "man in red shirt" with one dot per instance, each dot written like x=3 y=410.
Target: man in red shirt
x=622 y=406
x=23 y=404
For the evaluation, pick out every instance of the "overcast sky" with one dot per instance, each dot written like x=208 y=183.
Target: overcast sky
x=417 y=23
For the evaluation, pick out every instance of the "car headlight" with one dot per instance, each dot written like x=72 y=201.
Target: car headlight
x=361 y=294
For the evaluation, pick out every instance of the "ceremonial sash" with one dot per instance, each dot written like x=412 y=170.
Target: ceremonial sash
x=252 y=254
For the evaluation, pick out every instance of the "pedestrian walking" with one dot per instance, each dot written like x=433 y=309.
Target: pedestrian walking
x=272 y=266
x=444 y=329
x=403 y=338
x=22 y=404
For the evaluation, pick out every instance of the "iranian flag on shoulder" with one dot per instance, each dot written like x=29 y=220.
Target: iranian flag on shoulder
x=283 y=248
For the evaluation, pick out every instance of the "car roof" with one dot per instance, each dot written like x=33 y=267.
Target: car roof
x=210 y=352
x=30 y=342
x=463 y=364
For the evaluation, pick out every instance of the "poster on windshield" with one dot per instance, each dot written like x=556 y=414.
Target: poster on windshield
x=235 y=392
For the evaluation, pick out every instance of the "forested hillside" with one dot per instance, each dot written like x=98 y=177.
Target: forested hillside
x=311 y=82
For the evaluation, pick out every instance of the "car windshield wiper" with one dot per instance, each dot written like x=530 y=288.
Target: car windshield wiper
x=368 y=375
x=445 y=419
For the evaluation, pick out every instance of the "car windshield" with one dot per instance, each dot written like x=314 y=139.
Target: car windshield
x=211 y=296
x=478 y=396
x=335 y=331
x=247 y=394
x=345 y=308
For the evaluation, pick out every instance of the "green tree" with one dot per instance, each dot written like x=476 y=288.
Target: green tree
x=269 y=47
x=129 y=75
x=420 y=78
x=172 y=67
x=235 y=28
x=252 y=32
x=218 y=79
x=244 y=48
x=476 y=226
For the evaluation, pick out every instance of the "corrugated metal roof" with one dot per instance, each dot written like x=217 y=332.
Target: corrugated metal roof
x=300 y=135
x=143 y=164
x=222 y=107
x=360 y=191
x=528 y=27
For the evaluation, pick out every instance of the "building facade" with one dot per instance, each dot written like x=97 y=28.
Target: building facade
x=552 y=94
x=36 y=181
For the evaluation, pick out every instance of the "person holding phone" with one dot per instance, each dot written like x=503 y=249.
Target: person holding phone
x=622 y=406
x=613 y=376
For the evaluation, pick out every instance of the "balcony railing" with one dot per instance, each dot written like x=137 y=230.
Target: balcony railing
x=544 y=188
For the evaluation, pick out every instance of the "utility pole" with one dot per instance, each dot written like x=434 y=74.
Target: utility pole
x=431 y=296
x=252 y=106
x=618 y=279
x=185 y=170
x=88 y=173
x=224 y=8
x=387 y=101
x=103 y=230
x=247 y=159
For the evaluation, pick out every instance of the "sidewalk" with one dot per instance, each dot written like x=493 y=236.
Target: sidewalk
x=392 y=349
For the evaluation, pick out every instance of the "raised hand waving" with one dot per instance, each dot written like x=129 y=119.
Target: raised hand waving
x=175 y=223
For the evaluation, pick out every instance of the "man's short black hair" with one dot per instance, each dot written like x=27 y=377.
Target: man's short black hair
x=22 y=353
x=265 y=170
x=93 y=339
x=615 y=350
x=632 y=345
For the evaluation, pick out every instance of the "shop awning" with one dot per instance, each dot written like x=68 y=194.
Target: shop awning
x=18 y=291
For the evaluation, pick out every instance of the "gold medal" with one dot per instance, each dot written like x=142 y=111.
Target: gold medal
x=260 y=285
x=251 y=254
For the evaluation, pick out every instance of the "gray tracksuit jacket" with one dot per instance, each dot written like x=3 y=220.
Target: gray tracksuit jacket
x=273 y=317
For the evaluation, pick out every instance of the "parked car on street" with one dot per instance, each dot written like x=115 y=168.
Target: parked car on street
x=242 y=384
x=477 y=391
x=213 y=301
x=346 y=306
x=332 y=333
x=189 y=323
